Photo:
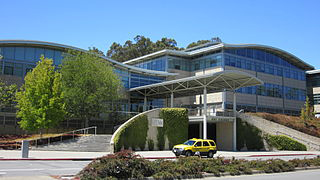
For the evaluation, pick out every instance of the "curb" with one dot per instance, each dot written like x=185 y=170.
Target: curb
x=90 y=159
x=268 y=155
x=47 y=159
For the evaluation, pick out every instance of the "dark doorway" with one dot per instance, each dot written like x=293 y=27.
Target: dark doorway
x=212 y=129
x=193 y=131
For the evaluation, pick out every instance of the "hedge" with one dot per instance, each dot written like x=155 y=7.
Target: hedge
x=248 y=136
x=175 y=126
x=282 y=142
x=133 y=135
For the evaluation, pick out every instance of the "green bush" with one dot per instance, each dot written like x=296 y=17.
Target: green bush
x=175 y=125
x=160 y=138
x=150 y=144
x=121 y=165
x=282 y=142
x=125 y=165
x=133 y=134
x=249 y=136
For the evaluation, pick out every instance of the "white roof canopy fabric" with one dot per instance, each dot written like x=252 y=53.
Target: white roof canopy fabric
x=229 y=80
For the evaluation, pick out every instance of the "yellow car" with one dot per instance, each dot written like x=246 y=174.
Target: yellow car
x=203 y=147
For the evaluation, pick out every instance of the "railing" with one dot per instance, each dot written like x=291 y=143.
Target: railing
x=211 y=112
x=309 y=143
x=46 y=140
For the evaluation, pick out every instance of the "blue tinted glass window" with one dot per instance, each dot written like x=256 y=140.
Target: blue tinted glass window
x=250 y=53
x=18 y=70
x=57 y=57
x=39 y=53
x=29 y=54
x=279 y=71
x=8 y=52
x=49 y=53
x=19 y=53
x=8 y=68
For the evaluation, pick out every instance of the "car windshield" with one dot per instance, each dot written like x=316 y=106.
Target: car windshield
x=189 y=143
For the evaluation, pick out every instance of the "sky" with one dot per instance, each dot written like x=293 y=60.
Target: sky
x=291 y=25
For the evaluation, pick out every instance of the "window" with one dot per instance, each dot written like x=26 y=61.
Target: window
x=29 y=54
x=49 y=53
x=199 y=143
x=19 y=53
x=205 y=143
x=8 y=52
x=39 y=53
x=212 y=143
x=8 y=68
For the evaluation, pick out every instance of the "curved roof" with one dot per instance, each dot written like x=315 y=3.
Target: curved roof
x=65 y=47
x=215 y=82
x=214 y=47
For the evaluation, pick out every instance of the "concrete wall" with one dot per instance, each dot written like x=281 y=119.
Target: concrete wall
x=224 y=135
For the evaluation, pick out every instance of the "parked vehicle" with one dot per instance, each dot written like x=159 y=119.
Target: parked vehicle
x=204 y=147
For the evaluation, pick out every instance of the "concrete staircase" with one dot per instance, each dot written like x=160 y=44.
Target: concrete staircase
x=269 y=127
x=90 y=143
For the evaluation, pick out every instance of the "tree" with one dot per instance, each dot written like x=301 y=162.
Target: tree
x=307 y=112
x=140 y=47
x=96 y=50
x=7 y=94
x=199 y=42
x=40 y=101
x=88 y=84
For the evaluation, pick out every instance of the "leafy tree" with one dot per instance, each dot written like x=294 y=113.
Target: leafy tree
x=88 y=84
x=307 y=112
x=200 y=42
x=140 y=47
x=40 y=101
x=7 y=94
x=96 y=50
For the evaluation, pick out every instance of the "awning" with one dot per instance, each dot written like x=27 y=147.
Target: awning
x=229 y=80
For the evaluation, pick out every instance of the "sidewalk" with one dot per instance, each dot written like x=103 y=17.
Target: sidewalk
x=66 y=155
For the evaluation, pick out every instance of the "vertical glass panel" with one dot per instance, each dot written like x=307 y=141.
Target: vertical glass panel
x=29 y=54
x=49 y=53
x=39 y=53
x=19 y=53
x=18 y=70
x=8 y=52
x=57 y=57
x=8 y=68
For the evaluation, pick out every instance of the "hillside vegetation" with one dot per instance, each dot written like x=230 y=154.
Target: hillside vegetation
x=311 y=126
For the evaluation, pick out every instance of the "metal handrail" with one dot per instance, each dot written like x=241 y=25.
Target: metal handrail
x=84 y=130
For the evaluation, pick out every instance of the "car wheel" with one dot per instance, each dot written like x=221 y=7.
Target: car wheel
x=210 y=154
x=188 y=153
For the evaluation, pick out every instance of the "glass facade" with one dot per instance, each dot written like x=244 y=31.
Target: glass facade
x=158 y=64
x=19 y=60
x=264 y=62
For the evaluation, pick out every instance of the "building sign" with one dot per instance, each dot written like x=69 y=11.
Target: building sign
x=157 y=122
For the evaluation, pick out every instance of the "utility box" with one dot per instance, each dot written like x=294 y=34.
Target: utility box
x=25 y=149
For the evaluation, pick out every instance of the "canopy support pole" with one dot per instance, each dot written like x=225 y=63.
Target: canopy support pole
x=205 y=112
x=171 y=100
x=235 y=121
x=145 y=104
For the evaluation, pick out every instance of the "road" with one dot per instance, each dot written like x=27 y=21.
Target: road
x=40 y=168
x=298 y=175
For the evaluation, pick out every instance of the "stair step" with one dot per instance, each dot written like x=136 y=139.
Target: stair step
x=93 y=143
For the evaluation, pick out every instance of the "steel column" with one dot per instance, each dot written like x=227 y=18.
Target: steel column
x=235 y=121
x=205 y=112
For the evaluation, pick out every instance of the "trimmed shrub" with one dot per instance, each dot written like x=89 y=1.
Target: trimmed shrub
x=160 y=138
x=120 y=165
x=282 y=142
x=133 y=134
x=150 y=144
x=249 y=136
x=175 y=125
